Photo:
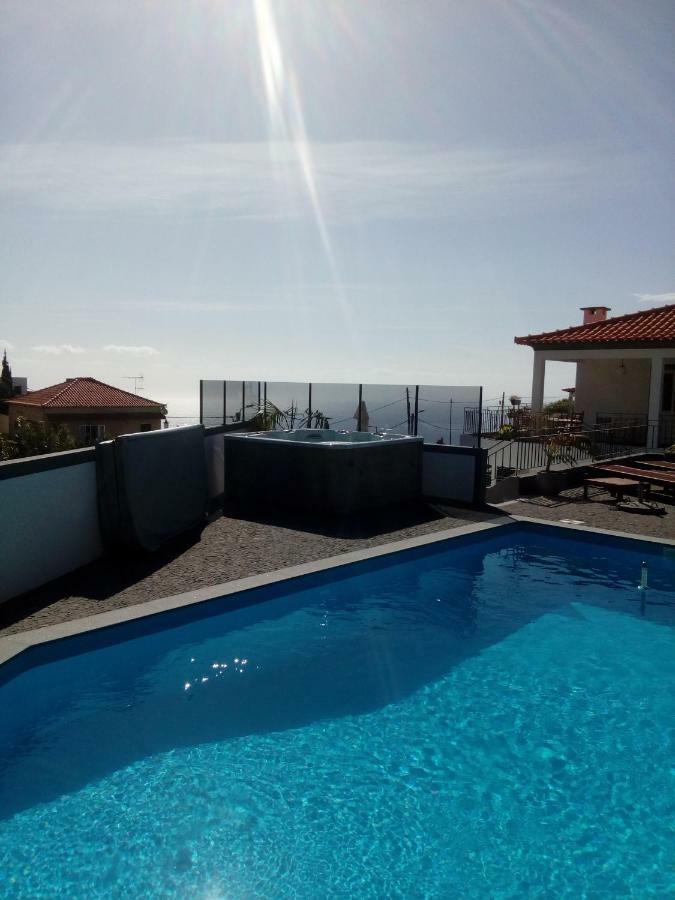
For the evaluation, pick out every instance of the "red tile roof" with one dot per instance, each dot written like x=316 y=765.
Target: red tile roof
x=647 y=328
x=83 y=393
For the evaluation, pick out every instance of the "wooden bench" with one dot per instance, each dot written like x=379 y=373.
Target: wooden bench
x=616 y=486
x=660 y=477
x=657 y=464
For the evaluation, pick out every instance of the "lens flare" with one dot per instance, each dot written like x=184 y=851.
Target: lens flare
x=287 y=126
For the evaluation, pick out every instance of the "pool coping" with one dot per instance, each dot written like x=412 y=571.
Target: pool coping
x=15 y=644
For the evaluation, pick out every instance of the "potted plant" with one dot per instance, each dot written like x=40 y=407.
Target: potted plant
x=561 y=448
x=506 y=432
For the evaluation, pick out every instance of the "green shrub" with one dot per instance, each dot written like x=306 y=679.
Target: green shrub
x=34 y=439
x=564 y=406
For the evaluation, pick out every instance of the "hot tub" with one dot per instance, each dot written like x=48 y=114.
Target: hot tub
x=329 y=472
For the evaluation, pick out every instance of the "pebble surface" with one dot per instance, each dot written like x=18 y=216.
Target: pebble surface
x=599 y=511
x=232 y=546
x=229 y=547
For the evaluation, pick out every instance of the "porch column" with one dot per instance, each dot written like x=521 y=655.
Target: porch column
x=538 y=373
x=655 y=393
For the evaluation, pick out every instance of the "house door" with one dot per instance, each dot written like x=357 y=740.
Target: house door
x=667 y=417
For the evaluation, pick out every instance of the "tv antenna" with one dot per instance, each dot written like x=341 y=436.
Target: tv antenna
x=136 y=379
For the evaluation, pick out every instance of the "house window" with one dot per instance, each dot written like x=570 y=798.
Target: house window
x=146 y=427
x=89 y=434
x=668 y=397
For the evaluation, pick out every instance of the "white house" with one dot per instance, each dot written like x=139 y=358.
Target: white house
x=625 y=368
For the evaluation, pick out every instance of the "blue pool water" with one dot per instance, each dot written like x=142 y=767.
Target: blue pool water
x=491 y=717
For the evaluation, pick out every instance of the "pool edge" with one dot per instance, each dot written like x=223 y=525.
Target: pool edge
x=13 y=645
x=590 y=529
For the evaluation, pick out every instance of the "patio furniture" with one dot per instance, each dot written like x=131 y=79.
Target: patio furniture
x=658 y=464
x=617 y=487
x=666 y=480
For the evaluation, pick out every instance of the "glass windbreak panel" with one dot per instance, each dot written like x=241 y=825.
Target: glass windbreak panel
x=252 y=399
x=291 y=399
x=442 y=410
x=338 y=403
x=233 y=401
x=388 y=407
x=212 y=403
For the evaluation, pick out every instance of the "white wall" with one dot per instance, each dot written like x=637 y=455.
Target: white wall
x=214 y=447
x=50 y=526
x=612 y=386
x=449 y=475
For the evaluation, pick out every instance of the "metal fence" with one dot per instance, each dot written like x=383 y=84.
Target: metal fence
x=518 y=421
x=667 y=430
x=511 y=457
x=665 y=425
x=436 y=412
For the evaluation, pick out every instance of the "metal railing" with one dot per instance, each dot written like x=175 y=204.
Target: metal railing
x=512 y=457
x=517 y=422
x=667 y=430
x=665 y=425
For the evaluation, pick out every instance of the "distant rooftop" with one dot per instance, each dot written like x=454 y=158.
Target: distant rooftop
x=83 y=393
x=649 y=327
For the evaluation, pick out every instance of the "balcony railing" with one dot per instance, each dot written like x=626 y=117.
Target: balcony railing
x=667 y=429
x=665 y=425
x=512 y=457
x=515 y=422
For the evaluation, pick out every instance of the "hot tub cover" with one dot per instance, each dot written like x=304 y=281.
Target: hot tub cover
x=152 y=486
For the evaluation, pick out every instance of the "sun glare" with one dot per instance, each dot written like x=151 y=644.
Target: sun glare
x=287 y=126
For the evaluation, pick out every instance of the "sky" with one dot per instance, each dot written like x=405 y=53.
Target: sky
x=327 y=190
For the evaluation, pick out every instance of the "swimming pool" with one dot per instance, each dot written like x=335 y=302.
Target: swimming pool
x=491 y=716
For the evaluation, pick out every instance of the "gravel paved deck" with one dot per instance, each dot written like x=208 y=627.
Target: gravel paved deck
x=231 y=547
x=599 y=511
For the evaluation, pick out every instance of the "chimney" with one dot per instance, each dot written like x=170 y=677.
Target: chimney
x=593 y=314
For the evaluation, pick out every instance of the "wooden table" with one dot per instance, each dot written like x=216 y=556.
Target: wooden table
x=657 y=464
x=616 y=486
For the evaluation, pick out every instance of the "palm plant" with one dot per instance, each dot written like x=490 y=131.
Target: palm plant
x=566 y=448
x=270 y=417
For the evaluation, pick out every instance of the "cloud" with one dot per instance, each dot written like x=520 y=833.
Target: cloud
x=58 y=349
x=355 y=180
x=131 y=350
x=656 y=298
x=6 y=345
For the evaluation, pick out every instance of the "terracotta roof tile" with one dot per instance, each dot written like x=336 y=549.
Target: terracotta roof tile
x=649 y=326
x=83 y=393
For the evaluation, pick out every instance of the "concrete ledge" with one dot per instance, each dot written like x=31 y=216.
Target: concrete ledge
x=16 y=644
x=589 y=529
x=211 y=430
x=29 y=465
x=503 y=490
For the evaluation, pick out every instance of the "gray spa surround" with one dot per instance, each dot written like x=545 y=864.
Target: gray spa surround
x=330 y=472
